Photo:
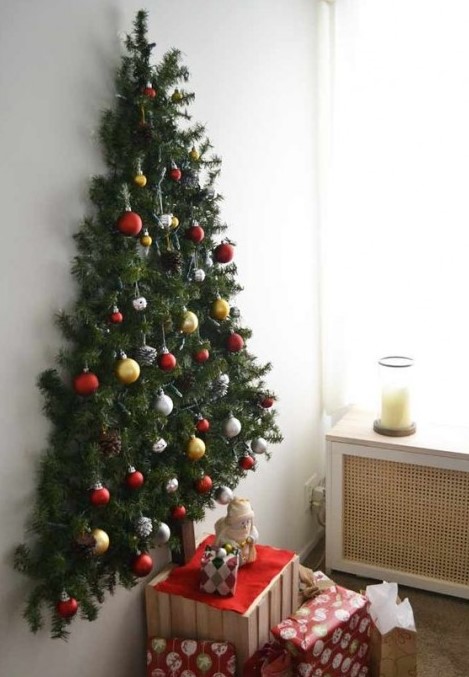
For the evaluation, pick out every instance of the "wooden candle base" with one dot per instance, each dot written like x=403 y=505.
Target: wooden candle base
x=393 y=432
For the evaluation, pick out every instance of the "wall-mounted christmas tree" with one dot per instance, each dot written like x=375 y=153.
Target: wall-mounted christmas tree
x=157 y=406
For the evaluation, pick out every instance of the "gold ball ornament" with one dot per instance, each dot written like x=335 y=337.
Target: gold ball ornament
x=140 y=180
x=220 y=309
x=195 y=448
x=174 y=222
x=176 y=96
x=189 y=322
x=102 y=541
x=194 y=154
x=127 y=370
x=146 y=239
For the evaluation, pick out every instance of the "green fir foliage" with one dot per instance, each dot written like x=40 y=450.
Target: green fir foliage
x=96 y=438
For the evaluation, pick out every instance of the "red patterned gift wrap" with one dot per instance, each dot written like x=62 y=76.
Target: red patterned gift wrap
x=329 y=635
x=190 y=658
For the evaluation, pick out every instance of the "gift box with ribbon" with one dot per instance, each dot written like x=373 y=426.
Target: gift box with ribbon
x=219 y=571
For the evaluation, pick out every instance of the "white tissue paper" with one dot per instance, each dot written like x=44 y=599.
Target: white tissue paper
x=385 y=609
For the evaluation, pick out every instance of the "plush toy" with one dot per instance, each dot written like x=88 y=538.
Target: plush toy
x=237 y=530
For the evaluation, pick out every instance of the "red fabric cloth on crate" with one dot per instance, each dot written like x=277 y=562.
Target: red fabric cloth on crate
x=252 y=578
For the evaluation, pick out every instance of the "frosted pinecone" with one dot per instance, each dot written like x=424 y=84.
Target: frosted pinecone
x=143 y=526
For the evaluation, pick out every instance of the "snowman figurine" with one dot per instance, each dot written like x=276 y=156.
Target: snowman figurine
x=237 y=530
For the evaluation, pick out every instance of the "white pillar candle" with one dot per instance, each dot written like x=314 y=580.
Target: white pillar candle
x=395 y=408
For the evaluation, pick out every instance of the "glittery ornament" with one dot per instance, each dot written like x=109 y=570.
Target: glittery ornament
x=166 y=221
x=199 y=275
x=140 y=303
x=159 y=446
x=143 y=526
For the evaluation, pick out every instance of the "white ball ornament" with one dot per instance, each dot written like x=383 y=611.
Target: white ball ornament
x=166 y=221
x=159 y=446
x=221 y=552
x=231 y=427
x=172 y=485
x=259 y=445
x=164 y=404
x=199 y=275
x=140 y=303
x=223 y=495
x=162 y=534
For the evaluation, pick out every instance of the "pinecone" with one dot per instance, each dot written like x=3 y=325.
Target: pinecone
x=84 y=544
x=185 y=381
x=143 y=526
x=146 y=355
x=219 y=386
x=171 y=262
x=110 y=443
x=190 y=179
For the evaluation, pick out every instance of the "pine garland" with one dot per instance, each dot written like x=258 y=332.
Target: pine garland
x=96 y=438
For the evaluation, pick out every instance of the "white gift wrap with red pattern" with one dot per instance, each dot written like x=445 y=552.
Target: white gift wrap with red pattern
x=329 y=635
x=219 y=574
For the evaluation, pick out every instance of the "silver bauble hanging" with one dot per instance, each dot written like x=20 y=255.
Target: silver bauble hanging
x=259 y=445
x=172 y=485
x=146 y=355
x=231 y=426
x=162 y=534
x=140 y=303
x=223 y=495
x=199 y=275
x=159 y=446
x=143 y=526
x=166 y=221
x=163 y=404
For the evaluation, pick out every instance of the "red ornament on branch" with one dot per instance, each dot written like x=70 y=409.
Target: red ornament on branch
x=175 y=173
x=166 y=360
x=267 y=402
x=142 y=564
x=247 y=462
x=224 y=253
x=200 y=356
x=86 y=383
x=67 y=606
x=195 y=233
x=116 y=316
x=149 y=91
x=129 y=223
x=234 y=342
x=134 y=479
x=202 y=425
x=99 y=496
x=204 y=484
x=178 y=512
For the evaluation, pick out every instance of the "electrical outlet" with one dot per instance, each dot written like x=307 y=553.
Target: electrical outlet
x=310 y=484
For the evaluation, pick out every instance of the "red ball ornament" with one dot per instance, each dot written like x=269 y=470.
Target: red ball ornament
x=142 y=565
x=166 y=361
x=134 y=479
x=204 y=484
x=67 y=607
x=267 y=402
x=234 y=342
x=202 y=425
x=99 y=496
x=224 y=253
x=195 y=233
x=85 y=383
x=149 y=91
x=175 y=173
x=178 y=512
x=116 y=316
x=246 y=462
x=201 y=355
x=129 y=223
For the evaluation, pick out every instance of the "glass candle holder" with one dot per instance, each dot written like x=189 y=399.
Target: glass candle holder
x=395 y=416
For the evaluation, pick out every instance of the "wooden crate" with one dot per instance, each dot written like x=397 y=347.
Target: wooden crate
x=175 y=616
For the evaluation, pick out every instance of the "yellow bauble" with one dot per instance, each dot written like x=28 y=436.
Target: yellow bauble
x=174 y=222
x=145 y=240
x=189 y=322
x=102 y=541
x=140 y=180
x=176 y=96
x=195 y=448
x=127 y=370
x=194 y=154
x=220 y=309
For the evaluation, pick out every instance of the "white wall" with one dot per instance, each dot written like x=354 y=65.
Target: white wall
x=253 y=71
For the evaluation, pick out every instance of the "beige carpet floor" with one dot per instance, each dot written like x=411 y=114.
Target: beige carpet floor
x=442 y=624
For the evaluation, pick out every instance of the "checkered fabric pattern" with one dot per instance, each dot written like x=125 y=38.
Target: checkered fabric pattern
x=219 y=574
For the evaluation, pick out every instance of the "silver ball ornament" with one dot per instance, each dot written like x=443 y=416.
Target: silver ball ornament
x=259 y=445
x=162 y=534
x=172 y=485
x=164 y=404
x=199 y=275
x=166 y=221
x=140 y=303
x=221 y=552
x=223 y=495
x=159 y=446
x=231 y=427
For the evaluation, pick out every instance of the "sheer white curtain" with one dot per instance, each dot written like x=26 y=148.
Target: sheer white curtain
x=395 y=215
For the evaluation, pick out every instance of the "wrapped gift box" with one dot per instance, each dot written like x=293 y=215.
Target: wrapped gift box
x=176 y=657
x=219 y=573
x=329 y=634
